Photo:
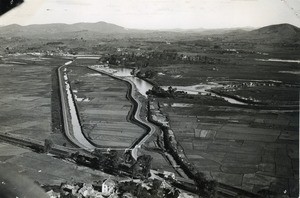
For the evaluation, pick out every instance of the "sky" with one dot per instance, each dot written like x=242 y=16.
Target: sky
x=158 y=14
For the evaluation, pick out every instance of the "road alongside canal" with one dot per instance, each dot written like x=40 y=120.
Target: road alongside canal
x=72 y=127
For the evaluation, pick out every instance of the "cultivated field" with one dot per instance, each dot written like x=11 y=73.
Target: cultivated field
x=250 y=149
x=103 y=108
x=25 y=100
x=25 y=112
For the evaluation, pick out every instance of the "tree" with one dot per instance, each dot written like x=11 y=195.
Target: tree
x=98 y=153
x=111 y=161
x=149 y=74
x=98 y=159
x=171 y=91
x=171 y=193
x=141 y=169
x=205 y=187
x=156 y=190
x=128 y=157
x=48 y=145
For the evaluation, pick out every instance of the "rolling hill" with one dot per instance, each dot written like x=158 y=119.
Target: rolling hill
x=281 y=33
x=58 y=30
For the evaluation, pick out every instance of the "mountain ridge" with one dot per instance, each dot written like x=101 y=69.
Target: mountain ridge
x=272 y=33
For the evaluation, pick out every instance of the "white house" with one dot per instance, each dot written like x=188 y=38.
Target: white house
x=169 y=174
x=108 y=186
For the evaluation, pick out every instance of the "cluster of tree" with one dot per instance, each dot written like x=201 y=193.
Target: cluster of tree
x=156 y=58
x=205 y=187
x=48 y=144
x=147 y=74
x=55 y=43
x=109 y=161
x=141 y=168
x=161 y=93
x=126 y=59
x=137 y=190
x=112 y=162
x=175 y=57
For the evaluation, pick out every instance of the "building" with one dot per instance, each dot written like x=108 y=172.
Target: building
x=108 y=186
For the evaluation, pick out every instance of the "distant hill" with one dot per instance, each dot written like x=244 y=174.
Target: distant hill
x=226 y=31
x=273 y=34
x=204 y=31
x=59 y=29
x=270 y=34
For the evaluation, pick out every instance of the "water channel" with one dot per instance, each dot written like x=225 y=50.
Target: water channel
x=69 y=109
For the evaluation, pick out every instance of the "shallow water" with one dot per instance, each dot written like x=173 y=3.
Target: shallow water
x=202 y=89
x=181 y=105
x=68 y=63
x=144 y=86
x=279 y=60
x=97 y=74
x=85 y=56
x=93 y=58
x=141 y=85
x=195 y=89
x=290 y=72
x=230 y=100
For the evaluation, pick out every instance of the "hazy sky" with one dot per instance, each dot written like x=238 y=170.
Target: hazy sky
x=158 y=14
